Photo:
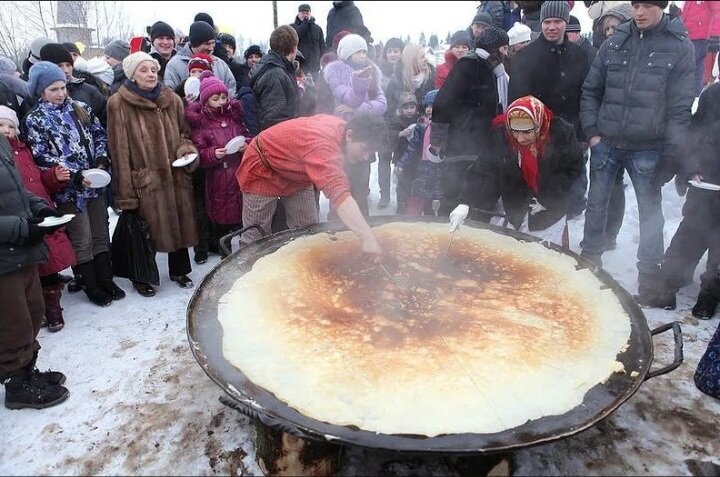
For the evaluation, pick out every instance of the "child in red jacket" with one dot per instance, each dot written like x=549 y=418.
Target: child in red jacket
x=42 y=184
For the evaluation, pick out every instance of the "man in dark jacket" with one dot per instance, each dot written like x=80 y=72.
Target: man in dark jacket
x=635 y=107
x=229 y=45
x=462 y=115
x=310 y=39
x=345 y=15
x=21 y=249
x=162 y=37
x=273 y=79
x=115 y=52
x=574 y=34
x=77 y=88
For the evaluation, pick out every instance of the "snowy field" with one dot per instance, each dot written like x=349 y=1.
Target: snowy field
x=140 y=404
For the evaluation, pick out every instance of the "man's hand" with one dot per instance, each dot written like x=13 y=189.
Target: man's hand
x=363 y=73
x=48 y=212
x=372 y=248
x=62 y=173
x=220 y=152
x=594 y=140
x=36 y=233
x=458 y=216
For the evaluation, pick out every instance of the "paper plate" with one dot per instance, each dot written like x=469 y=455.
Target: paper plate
x=185 y=160
x=234 y=144
x=55 y=221
x=704 y=185
x=98 y=178
x=192 y=86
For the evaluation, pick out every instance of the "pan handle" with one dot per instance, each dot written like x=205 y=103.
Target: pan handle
x=266 y=420
x=677 y=333
x=225 y=240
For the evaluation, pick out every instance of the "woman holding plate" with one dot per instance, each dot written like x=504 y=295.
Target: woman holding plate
x=148 y=134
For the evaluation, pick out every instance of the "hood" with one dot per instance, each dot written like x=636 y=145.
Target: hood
x=344 y=4
x=16 y=85
x=622 y=12
x=185 y=51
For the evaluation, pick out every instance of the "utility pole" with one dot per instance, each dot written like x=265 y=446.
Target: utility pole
x=275 y=20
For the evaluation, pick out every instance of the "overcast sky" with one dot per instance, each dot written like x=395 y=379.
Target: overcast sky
x=253 y=19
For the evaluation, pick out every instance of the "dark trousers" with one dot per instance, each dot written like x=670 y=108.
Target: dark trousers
x=698 y=232
x=453 y=180
x=701 y=50
x=23 y=308
x=207 y=238
x=384 y=172
x=88 y=230
x=359 y=175
x=179 y=262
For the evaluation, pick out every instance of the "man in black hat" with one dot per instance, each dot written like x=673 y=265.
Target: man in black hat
x=311 y=40
x=162 y=38
x=574 y=34
x=201 y=40
x=635 y=109
x=481 y=22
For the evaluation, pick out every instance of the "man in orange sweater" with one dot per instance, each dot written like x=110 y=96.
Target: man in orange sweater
x=286 y=160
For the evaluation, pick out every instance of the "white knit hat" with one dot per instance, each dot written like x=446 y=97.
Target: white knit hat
x=351 y=44
x=131 y=63
x=10 y=115
x=519 y=33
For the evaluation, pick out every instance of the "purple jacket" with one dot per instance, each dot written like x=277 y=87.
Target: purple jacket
x=223 y=199
x=352 y=91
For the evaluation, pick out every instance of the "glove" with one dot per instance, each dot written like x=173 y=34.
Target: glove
x=664 y=172
x=681 y=186
x=458 y=216
x=714 y=45
x=37 y=233
x=535 y=206
x=49 y=212
x=103 y=163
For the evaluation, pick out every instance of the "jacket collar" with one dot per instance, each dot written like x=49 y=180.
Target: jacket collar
x=628 y=29
x=164 y=100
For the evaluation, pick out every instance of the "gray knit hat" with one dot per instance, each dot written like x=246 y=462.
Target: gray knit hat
x=555 y=9
x=118 y=49
x=7 y=66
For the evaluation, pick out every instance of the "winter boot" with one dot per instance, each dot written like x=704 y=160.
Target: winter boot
x=103 y=269
x=75 y=285
x=96 y=294
x=54 y=378
x=706 y=304
x=53 y=310
x=25 y=392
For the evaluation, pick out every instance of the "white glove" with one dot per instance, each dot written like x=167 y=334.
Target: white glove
x=535 y=206
x=458 y=216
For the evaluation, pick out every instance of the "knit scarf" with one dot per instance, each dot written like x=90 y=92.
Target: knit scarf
x=528 y=156
x=501 y=77
x=151 y=95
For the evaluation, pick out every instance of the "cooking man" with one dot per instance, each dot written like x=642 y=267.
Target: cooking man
x=285 y=161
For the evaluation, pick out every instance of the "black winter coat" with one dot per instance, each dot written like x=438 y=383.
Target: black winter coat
x=552 y=73
x=496 y=174
x=464 y=109
x=344 y=16
x=311 y=43
x=701 y=149
x=17 y=205
x=639 y=91
x=86 y=93
x=273 y=82
x=163 y=62
x=239 y=72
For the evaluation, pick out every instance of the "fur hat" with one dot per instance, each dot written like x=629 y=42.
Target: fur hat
x=519 y=33
x=55 y=53
x=227 y=39
x=461 y=37
x=210 y=86
x=159 y=29
x=131 y=63
x=200 y=32
x=42 y=74
x=71 y=47
x=118 y=49
x=492 y=39
x=555 y=9
x=201 y=61
x=351 y=44
x=304 y=7
x=10 y=115
x=253 y=50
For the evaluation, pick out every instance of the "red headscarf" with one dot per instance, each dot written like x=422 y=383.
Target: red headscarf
x=531 y=108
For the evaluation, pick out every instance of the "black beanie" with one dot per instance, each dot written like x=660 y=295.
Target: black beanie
x=71 y=47
x=492 y=39
x=657 y=4
x=227 y=39
x=253 y=50
x=200 y=32
x=161 y=29
x=55 y=53
x=204 y=17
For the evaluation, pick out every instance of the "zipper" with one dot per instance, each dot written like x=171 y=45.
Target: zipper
x=633 y=73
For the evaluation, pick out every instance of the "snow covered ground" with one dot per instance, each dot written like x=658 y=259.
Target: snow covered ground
x=140 y=404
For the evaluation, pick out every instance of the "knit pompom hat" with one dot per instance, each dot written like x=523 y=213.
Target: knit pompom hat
x=131 y=63
x=42 y=75
x=519 y=33
x=10 y=115
x=555 y=9
x=349 y=45
x=210 y=86
x=200 y=61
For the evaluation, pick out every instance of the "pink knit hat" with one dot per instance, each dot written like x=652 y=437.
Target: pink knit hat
x=210 y=86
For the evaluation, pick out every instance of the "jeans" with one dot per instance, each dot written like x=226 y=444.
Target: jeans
x=701 y=50
x=605 y=163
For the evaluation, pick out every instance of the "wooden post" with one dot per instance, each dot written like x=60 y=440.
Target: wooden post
x=275 y=14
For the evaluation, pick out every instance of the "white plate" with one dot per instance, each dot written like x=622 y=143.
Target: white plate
x=704 y=185
x=234 y=144
x=192 y=86
x=55 y=221
x=185 y=160
x=98 y=178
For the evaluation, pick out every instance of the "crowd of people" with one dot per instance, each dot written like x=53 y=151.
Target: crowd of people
x=198 y=144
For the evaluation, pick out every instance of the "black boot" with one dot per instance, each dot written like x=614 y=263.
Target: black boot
x=706 y=305
x=95 y=293
x=54 y=378
x=75 y=284
x=103 y=269
x=26 y=392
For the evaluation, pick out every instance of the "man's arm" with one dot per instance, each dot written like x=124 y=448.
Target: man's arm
x=350 y=214
x=679 y=96
x=593 y=91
